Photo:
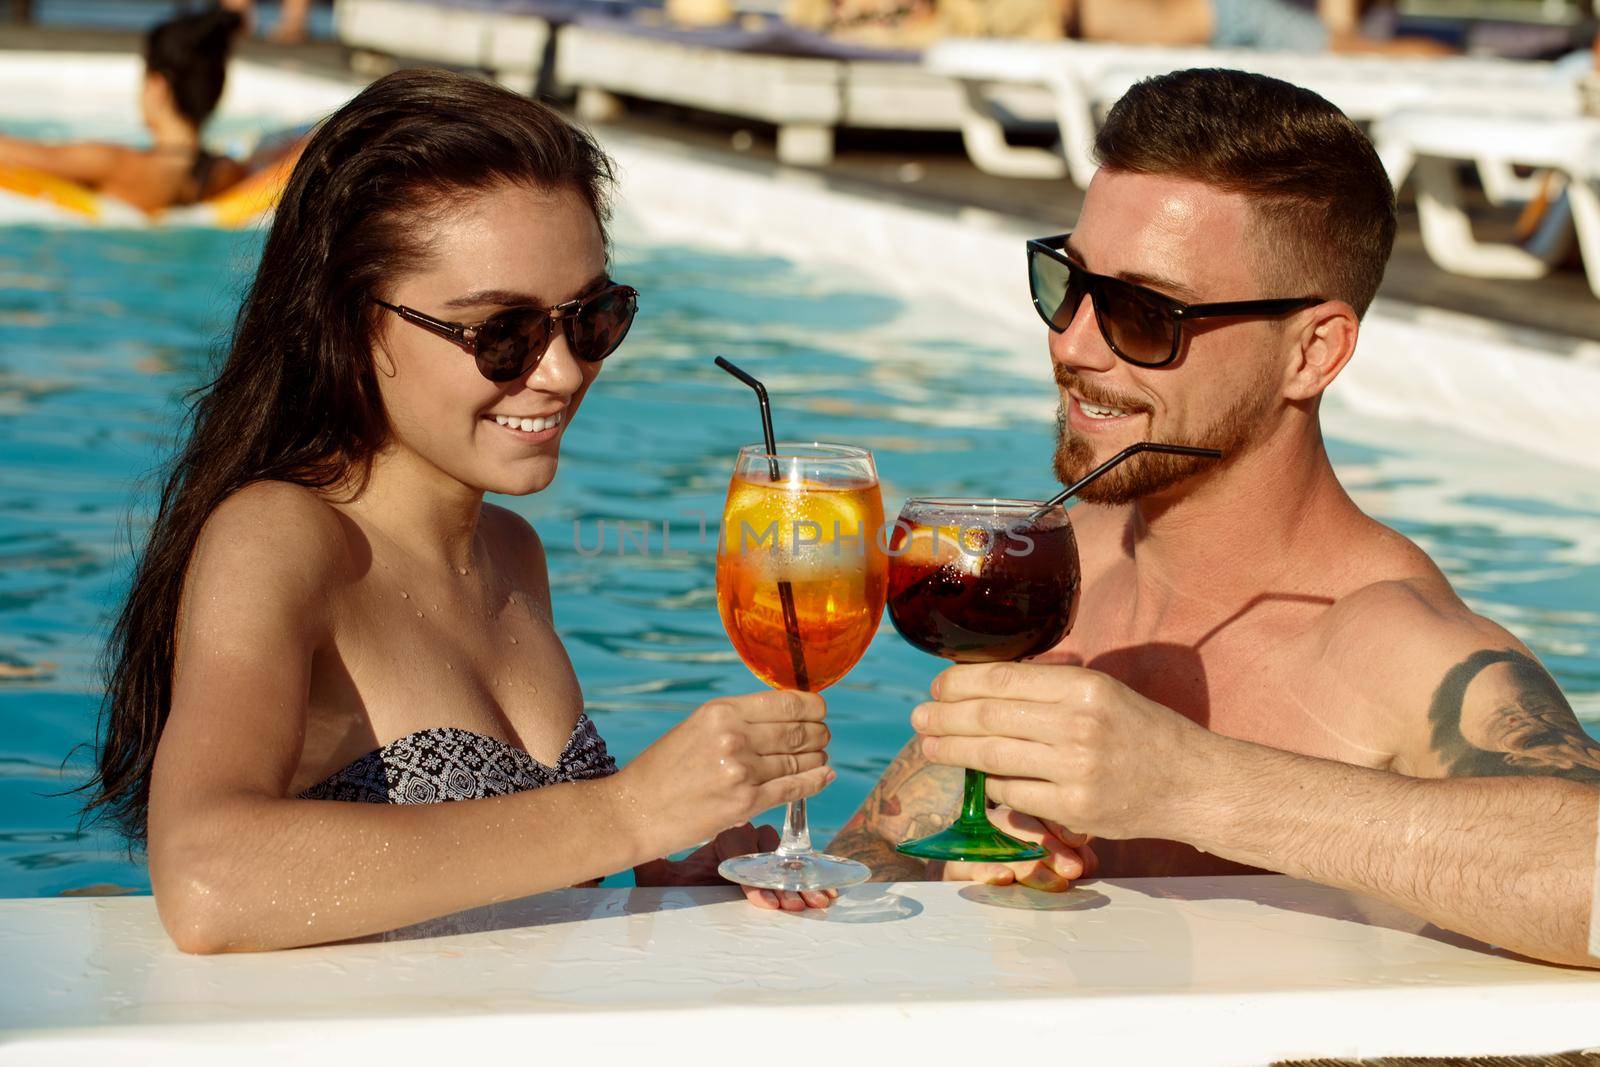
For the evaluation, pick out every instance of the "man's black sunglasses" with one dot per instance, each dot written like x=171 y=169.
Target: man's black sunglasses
x=1141 y=325
x=510 y=343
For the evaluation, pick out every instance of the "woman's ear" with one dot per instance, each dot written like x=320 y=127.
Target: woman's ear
x=1324 y=340
x=157 y=92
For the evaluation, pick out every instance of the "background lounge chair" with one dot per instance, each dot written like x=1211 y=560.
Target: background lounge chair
x=1085 y=78
x=804 y=83
x=1429 y=144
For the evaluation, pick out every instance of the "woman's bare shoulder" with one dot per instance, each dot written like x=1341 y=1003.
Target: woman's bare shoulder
x=508 y=529
x=279 y=540
x=515 y=545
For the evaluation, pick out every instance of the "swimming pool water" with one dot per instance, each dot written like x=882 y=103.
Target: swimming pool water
x=102 y=332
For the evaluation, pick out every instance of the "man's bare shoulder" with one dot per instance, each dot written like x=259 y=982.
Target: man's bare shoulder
x=1392 y=630
x=1454 y=693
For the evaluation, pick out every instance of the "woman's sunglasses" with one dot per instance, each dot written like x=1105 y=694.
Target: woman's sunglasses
x=1141 y=325
x=510 y=343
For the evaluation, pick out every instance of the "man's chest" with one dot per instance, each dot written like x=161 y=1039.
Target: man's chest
x=1262 y=682
x=1256 y=674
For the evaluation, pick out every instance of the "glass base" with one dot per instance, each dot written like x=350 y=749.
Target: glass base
x=972 y=844
x=794 y=873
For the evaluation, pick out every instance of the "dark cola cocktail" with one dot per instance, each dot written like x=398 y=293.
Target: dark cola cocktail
x=985 y=580
x=981 y=583
x=977 y=581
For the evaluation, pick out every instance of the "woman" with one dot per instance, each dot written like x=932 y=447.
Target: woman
x=327 y=613
x=186 y=63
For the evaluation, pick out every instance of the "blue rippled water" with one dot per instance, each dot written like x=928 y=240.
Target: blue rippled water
x=101 y=334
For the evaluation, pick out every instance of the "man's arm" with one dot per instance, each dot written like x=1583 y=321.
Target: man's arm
x=1503 y=849
x=1507 y=859
x=1510 y=861
x=1498 y=712
x=912 y=798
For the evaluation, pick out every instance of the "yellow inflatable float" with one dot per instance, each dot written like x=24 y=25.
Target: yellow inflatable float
x=29 y=196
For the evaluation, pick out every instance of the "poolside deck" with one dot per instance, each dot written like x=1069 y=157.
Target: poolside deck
x=932 y=170
x=1192 y=971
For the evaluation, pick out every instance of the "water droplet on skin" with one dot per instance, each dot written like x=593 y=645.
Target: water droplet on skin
x=419 y=614
x=404 y=595
x=463 y=570
x=513 y=640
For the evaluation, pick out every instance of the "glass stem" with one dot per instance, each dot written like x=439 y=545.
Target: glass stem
x=974 y=802
x=796 y=834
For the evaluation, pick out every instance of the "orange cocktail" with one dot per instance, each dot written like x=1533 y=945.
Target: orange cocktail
x=821 y=538
x=801 y=577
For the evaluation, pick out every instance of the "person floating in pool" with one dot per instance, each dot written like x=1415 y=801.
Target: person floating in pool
x=329 y=633
x=1261 y=676
x=1347 y=26
x=186 y=62
x=293 y=16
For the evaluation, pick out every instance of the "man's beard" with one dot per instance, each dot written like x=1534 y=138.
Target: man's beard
x=1147 y=473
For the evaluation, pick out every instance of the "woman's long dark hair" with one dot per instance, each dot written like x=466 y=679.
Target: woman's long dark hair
x=297 y=399
x=191 y=53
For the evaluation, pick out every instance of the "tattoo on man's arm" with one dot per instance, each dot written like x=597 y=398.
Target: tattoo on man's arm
x=1514 y=721
x=854 y=841
x=913 y=798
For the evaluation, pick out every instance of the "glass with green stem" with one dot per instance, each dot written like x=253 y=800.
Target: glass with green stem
x=984 y=581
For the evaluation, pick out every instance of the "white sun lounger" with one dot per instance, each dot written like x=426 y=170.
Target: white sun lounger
x=813 y=88
x=1427 y=144
x=510 y=45
x=805 y=84
x=1085 y=78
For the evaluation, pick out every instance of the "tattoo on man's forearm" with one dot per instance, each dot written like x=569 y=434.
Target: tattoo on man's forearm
x=865 y=846
x=913 y=798
x=1514 y=722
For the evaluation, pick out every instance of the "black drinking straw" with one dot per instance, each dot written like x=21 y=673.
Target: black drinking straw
x=1143 y=446
x=791 y=618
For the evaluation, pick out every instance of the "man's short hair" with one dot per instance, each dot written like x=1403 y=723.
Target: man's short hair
x=1321 y=193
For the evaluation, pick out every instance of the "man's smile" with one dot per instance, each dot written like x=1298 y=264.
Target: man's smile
x=1100 y=414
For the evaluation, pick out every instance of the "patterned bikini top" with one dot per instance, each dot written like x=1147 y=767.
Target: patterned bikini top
x=448 y=763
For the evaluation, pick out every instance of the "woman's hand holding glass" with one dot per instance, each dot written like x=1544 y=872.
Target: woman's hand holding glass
x=700 y=868
x=731 y=759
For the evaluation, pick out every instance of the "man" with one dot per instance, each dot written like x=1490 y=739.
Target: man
x=1260 y=675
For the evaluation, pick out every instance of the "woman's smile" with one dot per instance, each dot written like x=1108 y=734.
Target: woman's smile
x=531 y=429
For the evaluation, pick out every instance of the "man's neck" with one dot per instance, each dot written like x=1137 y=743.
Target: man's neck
x=420 y=509
x=1225 y=536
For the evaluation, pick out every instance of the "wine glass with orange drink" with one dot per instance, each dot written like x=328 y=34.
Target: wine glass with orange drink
x=801 y=577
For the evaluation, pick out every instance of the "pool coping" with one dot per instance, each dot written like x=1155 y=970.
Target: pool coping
x=1192 y=970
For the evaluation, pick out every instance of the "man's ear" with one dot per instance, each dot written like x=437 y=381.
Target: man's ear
x=1323 y=339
